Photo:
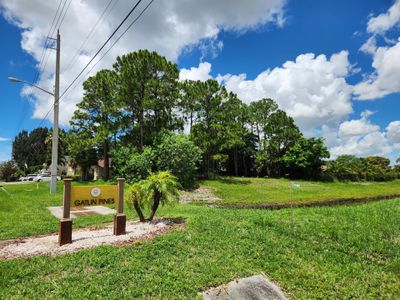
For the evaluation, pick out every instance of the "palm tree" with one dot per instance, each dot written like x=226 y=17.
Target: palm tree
x=158 y=188
x=135 y=194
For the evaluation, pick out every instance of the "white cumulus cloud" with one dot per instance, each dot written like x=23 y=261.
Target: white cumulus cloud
x=169 y=27
x=393 y=133
x=358 y=127
x=312 y=89
x=301 y=89
x=385 y=59
x=385 y=79
x=383 y=22
x=202 y=72
x=369 y=46
x=361 y=138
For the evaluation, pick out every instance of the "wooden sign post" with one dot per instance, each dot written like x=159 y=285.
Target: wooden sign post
x=120 y=218
x=80 y=196
x=65 y=227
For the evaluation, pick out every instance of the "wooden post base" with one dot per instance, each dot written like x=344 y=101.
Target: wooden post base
x=119 y=224
x=65 y=232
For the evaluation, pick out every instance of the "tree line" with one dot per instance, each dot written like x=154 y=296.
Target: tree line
x=142 y=118
x=127 y=112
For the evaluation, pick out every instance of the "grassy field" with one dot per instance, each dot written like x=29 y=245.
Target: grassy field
x=234 y=190
x=337 y=252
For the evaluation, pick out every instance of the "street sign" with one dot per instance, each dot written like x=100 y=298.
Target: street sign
x=77 y=196
x=94 y=195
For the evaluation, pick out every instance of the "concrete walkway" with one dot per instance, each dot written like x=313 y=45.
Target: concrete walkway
x=57 y=211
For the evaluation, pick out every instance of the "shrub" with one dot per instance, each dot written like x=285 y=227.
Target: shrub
x=179 y=155
x=305 y=158
x=351 y=168
x=131 y=164
x=9 y=171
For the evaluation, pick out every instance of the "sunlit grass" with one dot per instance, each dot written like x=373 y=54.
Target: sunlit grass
x=312 y=253
x=342 y=252
x=261 y=190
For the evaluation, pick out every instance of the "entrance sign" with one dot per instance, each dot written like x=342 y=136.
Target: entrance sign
x=92 y=196
x=79 y=196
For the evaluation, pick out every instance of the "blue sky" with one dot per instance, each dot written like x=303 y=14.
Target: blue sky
x=347 y=94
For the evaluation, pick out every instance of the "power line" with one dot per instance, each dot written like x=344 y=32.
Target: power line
x=72 y=61
x=57 y=25
x=62 y=19
x=44 y=118
x=58 y=19
x=45 y=45
x=24 y=110
x=130 y=25
x=101 y=48
x=116 y=41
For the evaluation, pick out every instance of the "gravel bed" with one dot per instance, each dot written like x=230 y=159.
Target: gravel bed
x=81 y=239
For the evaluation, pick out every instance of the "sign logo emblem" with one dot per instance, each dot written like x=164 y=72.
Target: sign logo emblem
x=95 y=192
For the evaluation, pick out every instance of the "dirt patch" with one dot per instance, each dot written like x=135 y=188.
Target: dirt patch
x=85 y=239
x=316 y=203
x=201 y=194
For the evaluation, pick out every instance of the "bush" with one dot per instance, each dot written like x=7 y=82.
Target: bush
x=131 y=164
x=34 y=169
x=305 y=158
x=351 y=168
x=9 y=171
x=171 y=152
x=179 y=155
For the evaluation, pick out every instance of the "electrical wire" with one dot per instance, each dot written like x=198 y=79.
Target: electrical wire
x=45 y=45
x=36 y=78
x=101 y=48
x=57 y=25
x=115 y=42
x=74 y=58
x=129 y=26
x=62 y=19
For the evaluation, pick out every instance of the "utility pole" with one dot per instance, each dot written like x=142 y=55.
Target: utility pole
x=56 y=94
x=54 y=146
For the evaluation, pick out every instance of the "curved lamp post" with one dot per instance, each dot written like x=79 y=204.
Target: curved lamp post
x=13 y=79
x=54 y=152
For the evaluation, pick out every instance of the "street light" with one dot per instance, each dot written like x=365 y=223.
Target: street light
x=54 y=152
x=13 y=79
x=56 y=95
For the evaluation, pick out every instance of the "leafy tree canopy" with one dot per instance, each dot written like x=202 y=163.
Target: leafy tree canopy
x=306 y=157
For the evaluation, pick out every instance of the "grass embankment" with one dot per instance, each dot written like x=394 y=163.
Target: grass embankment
x=320 y=253
x=270 y=193
x=337 y=252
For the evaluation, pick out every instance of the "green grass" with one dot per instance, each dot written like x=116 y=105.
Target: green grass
x=318 y=253
x=337 y=252
x=260 y=190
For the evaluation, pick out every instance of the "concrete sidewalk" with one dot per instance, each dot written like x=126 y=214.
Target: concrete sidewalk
x=76 y=212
